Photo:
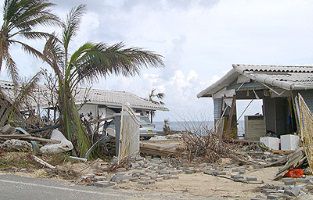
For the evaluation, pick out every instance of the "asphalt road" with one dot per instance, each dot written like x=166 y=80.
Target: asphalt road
x=22 y=188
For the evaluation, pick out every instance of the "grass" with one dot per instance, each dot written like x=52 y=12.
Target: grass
x=23 y=160
x=19 y=160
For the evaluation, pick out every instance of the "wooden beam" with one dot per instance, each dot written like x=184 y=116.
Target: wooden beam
x=29 y=138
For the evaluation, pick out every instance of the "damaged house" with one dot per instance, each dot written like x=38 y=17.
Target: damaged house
x=105 y=103
x=91 y=102
x=276 y=86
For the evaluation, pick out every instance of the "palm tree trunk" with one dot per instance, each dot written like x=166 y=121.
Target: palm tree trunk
x=71 y=122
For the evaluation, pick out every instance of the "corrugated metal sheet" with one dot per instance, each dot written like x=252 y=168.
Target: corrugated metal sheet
x=285 y=77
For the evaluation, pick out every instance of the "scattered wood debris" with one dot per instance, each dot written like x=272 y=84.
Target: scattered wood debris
x=42 y=162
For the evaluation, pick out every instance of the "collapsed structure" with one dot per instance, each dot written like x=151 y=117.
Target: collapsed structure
x=276 y=85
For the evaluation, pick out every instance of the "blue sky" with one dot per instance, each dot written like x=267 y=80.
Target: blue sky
x=199 y=40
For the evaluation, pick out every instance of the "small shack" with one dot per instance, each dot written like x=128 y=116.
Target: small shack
x=277 y=86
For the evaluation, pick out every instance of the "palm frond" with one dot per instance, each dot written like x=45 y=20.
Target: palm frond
x=160 y=95
x=26 y=89
x=23 y=93
x=19 y=19
x=53 y=54
x=34 y=34
x=23 y=14
x=27 y=48
x=11 y=66
x=71 y=25
x=102 y=60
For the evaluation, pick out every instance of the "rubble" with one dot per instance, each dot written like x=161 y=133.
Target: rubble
x=16 y=145
x=168 y=158
x=63 y=146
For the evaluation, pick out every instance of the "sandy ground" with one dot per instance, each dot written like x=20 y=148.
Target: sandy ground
x=202 y=185
x=198 y=185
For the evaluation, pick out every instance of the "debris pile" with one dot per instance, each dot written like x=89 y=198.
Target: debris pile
x=18 y=139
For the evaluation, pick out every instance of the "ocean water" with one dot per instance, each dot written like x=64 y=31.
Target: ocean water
x=195 y=126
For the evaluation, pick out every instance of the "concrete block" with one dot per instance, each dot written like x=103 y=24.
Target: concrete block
x=250 y=178
x=270 y=142
x=293 y=191
x=120 y=178
x=289 y=181
x=103 y=184
x=134 y=179
x=100 y=178
x=289 y=142
x=273 y=196
x=237 y=177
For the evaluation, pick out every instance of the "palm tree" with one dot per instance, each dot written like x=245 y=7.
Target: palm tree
x=89 y=62
x=20 y=17
x=160 y=96
x=152 y=97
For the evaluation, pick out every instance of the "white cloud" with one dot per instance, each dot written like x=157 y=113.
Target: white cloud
x=199 y=40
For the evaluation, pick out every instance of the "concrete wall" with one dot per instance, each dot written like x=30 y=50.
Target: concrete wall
x=96 y=110
x=87 y=108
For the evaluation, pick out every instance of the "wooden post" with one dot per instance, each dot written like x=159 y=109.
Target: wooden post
x=49 y=114
x=231 y=130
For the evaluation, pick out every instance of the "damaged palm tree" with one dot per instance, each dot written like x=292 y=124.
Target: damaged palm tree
x=17 y=101
x=22 y=98
x=89 y=62
x=20 y=17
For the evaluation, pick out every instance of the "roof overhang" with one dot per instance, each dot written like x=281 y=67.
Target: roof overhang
x=284 y=77
x=114 y=105
x=226 y=80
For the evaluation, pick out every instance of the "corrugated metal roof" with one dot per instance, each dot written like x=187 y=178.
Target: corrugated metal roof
x=93 y=96
x=116 y=99
x=282 y=76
